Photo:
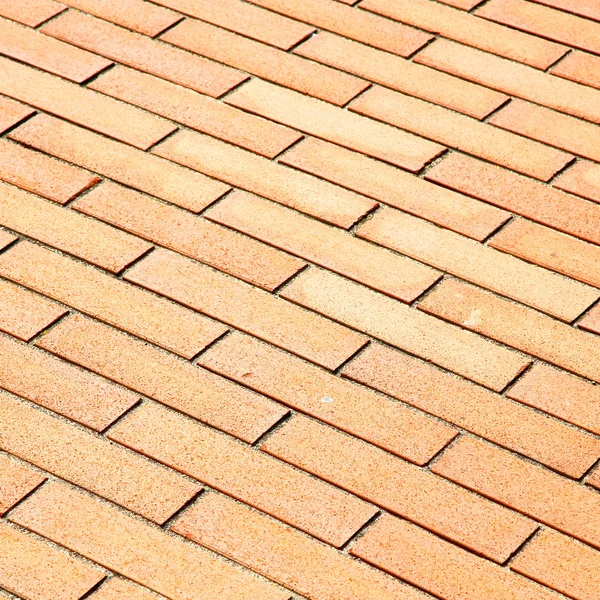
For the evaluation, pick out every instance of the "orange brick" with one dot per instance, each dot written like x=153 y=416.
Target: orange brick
x=594 y=478
x=435 y=565
x=92 y=462
x=468 y=29
x=387 y=319
x=480 y=264
x=395 y=187
x=16 y=482
x=400 y=487
x=199 y=112
x=547 y=497
x=335 y=124
x=123 y=305
x=265 y=61
x=66 y=230
x=30 y=12
x=127 y=165
x=402 y=75
x=462 y=132
x=150 y=556
x=283 y=554
x=121 y=589
x=350 y=407
x=163 y=377
x=551 y=249
x=585 y=8
x=6 y=239
x=591 y=321
x=32 y=568
x=239 y=471
x=325 y=245
x=11 y=112
x=464 y=4
x=197 y=238
x=274 y=181
x=247 y=308
x=60 y=386
x=583 y=179
x=520 y=195
x=580 y=67
x=143 y=53
x=512 y=78
x=560 y=394
x=517 y=326
x=473 y=408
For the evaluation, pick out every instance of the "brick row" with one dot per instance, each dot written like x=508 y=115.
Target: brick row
x=579 y=67
x=16 y=482
x=32 y=12
x=11 y=112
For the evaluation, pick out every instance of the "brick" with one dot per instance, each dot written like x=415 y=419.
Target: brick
x=42 y=174
x=61 y=387
x=468 y=29
x=464 y=133
x=197 y=111
x=163 y=377
x=6 y=239
x=464 y=4
x=247 y=308
x=143 y=53
x=334 y=124
x=400 y=487
x=591 y=321
x=560 y=394
x=30 y=12
x=524 y=486
x=519 y=195
x=283 y=554
x=512 y=78
x=583 y=179
x=402 y=75
x=479 y=264
x=33 y=568
x=265 y=61
x=517 y=326
x=393 y=186
x=350 y=407
x=549 y=248
x=122 y=589
x=197 y=238
x=114 y=301
x=397 y=324
x=580 y=67
x=473 y=408
x=439 y=567
x=69 y=231
x=325 y=245
x=594 y=478
x=163 y=563
x=11 y=112
x=239 y=471
x=585 y=8
x=126 y=165
x=263 y=177
x=16 y=482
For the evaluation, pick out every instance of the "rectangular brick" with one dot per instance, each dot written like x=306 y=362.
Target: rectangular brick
x=11 y=112
x=122 y=589
x=520 y=195
x=479 y=264
x=16 y=482
x=395 y=323
x=334 y=124
x=400 y=487
x=395 y=187
x=265 y=61
x=462 y=132
x=30 y=12
x=261 y=176
x=400 y=74
x=350 y=407
x=247 y=308
x=585 y=8
x=325 y=245
x=283 y=554
x=203 y=113
x=468 y=29
x=139 y=170
x=114 y=301
x=162 y=562
x=439 y=567
x=580 y=67
x=583 y=179
x=33 y=568
x=474 y=408
x=69 y=231
x=240 y=471
x=163 y=377
x=197 y=238
x=143 y=53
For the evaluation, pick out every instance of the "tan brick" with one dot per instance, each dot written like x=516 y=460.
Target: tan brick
x=16 y=482
x=122 y=589
x=161 y=562
x=326 y=246
x=580 y=67
x=6 y=239
x=11 y=112
x=30 y=12
x=585 y=8
x=583 y=179
x=591 y=321
x=247 y=308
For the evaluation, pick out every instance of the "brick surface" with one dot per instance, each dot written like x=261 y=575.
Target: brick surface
x=579 y=67
x=591 y=321
x=30 y=12
x=122 y=589
x=16 y=482
x=585 y=8
x=6 y=239
x=464 y=4
x=11 y=112
x=583 y=179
